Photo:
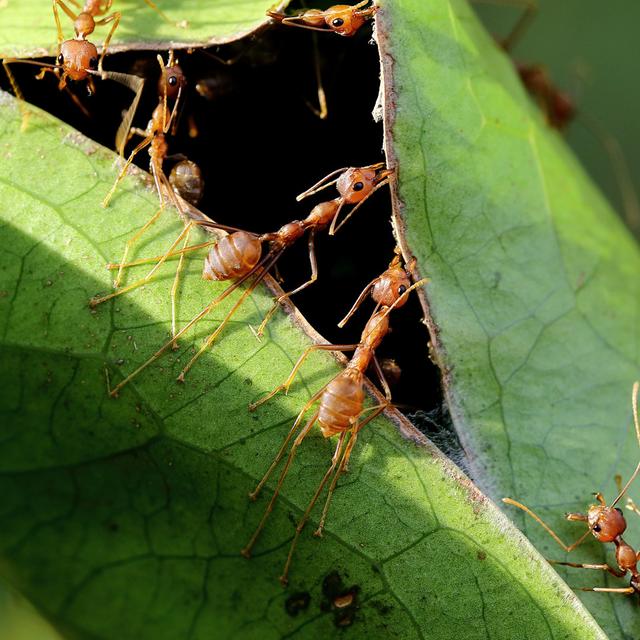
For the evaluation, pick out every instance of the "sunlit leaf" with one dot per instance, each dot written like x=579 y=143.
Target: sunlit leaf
x=28 y=28
x=535 y=294
x=124 y=518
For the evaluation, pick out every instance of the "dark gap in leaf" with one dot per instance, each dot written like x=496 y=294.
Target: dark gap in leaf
x=259 y=145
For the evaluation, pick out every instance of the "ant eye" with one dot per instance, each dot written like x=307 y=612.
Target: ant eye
x=597 y=528
x=358 y=186
x=93 y=63
x=173 y=81
x=401 y=289
x=338 y=22
x=60 y=59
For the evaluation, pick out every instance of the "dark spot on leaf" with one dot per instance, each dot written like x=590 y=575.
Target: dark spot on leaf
x=297 y=602
x=481 y=555
x=342 y=601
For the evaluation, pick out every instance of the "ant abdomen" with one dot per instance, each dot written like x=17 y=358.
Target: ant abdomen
x=233 y=256
x=186 y=180
x=341 y=403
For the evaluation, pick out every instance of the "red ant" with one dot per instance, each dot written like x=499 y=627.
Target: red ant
x=343 y=19
x=607 y=524
x=77 y=58
x=341 y=400
x=239 y=255
x=170 y=87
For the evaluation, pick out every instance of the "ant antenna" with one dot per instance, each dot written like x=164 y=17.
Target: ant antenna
x=634 y=404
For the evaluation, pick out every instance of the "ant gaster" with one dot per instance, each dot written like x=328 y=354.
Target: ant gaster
x=607 y=524
x=341 y=400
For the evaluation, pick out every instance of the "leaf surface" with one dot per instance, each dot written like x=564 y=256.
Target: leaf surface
x=534 y=304
x=124 y=518
x=28 y=28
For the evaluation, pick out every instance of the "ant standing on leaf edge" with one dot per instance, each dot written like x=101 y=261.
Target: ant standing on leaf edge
x=341 y=401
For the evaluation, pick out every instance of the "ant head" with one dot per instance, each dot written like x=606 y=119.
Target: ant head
x=344 y=19
x=391 y=285
x=171 y=81
x=355 y=184
x=77 y=58
x=606 y=523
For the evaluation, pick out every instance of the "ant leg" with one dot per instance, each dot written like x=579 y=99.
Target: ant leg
x=136 y=84
x=547 y=528
x=182 y=24
x=230 y=289
x=138 y=283
x=115 y=18
x=580 y=565
x=24 y=112
x=622 y=591
x=305 y=354
x=293 y=21
x=136 y=263
x=322 y=111
x=176 y=281
x=285 y=443
x=246 y=551
x=211 y=339
x=636 y=424
x=145 y=143
x=56 y=16
x=305 y=516
x=71 y=14
x=284 y=296
x=383 y=380
x=529 y=10
x=343 y=466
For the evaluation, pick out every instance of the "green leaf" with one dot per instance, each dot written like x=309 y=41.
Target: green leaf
x=124 y=518
x=533 y=305
x=28 y=28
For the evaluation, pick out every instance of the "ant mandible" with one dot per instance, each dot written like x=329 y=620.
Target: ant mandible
x=343 y=19
x=239 y=255
x=341 y=400
x=607 y=524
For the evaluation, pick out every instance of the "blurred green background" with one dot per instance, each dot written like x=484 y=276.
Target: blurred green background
x=18 y=620
x=591 y=51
